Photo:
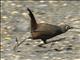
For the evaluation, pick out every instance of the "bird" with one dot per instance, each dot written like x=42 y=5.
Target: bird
x=45 y=31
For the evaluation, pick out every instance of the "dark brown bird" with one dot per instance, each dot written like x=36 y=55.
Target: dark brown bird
x=45 y=31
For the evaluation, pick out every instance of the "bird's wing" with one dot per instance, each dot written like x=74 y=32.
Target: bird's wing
x=46 y=31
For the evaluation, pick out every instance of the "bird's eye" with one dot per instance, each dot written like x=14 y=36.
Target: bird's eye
x=67 y=27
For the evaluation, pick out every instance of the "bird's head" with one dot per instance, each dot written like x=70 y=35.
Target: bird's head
x=65 y=27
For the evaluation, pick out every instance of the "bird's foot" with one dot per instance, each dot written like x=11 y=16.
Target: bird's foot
x=41 y=46
x=58 y=49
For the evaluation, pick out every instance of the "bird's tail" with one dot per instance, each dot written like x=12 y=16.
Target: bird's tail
x=33 y=21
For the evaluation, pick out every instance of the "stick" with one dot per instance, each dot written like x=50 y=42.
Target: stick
x=17 y=40
x=19 y=44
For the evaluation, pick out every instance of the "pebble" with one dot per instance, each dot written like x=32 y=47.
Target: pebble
x=9 y=27
x=4 y=17
x=54 y=57
x=32 y=55
x=17 y=57
x=13 y=4
x=14 y=12
x=45 y=57
x=78 y=34
x=2 y=1
x=51 y=1
x=65 y=4
x=1 y=50
x=76 y=59
x=28 y=59
x=43 y=5
x=59 y=58
x=5 y=32
x=36 y=42
x=68 y=16
x=66 y=42
x=9 y=1
x=42 y=21
x=7 y=38
x=34 y=45
x=1 y=11
x=41 y=42
x=2 y=59
x=19 y=5
x=24 y=14
x=74 y=19
x=42 y=1
x=75 y=22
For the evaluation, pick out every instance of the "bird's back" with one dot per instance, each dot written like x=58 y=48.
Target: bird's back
x=46 y=31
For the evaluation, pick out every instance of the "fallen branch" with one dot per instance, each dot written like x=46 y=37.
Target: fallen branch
x=18 y=44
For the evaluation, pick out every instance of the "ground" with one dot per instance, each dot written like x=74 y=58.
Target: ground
x=15 y=23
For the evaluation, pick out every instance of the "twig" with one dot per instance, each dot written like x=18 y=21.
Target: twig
x=17 y=40
x=19 y=44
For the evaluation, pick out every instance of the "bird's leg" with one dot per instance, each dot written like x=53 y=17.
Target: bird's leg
x=44 y=42
x=17 y=40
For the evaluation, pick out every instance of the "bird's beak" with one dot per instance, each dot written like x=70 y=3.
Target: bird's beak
x=71 y=27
